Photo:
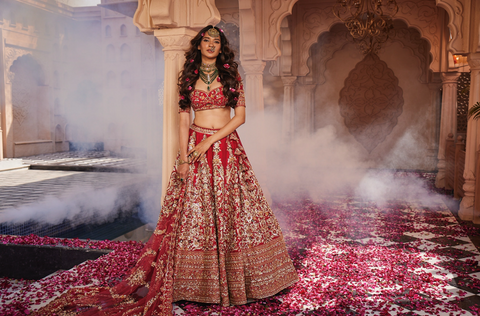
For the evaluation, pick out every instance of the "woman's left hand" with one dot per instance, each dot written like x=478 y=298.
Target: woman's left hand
x=198 y=151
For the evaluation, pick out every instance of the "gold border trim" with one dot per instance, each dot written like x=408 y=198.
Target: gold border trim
x=203 y=130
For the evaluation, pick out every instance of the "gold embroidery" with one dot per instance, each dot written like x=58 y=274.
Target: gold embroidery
x=159 y=231
x=136 y=278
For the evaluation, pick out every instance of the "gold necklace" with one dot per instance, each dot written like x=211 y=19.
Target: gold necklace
x=208 y=78
x=208 y=67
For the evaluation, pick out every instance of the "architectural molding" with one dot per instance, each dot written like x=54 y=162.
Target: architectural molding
x=311 y=21
x=424 y=16
x=10 y=55
x=248 y=34
x=411 y=38
x=156 y=14
x=276 y=11
x=458 y=43
x=230 y=15
x=331 y=42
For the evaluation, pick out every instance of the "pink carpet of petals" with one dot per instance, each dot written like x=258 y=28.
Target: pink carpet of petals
x=349 y=255
x=18 y=296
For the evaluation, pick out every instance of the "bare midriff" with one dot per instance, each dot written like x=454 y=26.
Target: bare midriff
x=214 y=118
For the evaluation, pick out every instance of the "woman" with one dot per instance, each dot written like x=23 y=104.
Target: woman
x=216 y=240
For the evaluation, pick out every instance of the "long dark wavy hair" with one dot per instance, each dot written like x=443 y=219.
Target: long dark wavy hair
x=228 y=75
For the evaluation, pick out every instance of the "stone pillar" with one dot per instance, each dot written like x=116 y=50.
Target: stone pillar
x=175 y=42
x=288 y=121
x=434 y=117
x=305 y=108
x=253 y=85
x=466 y=211
x=8 y=121
x=448 y=123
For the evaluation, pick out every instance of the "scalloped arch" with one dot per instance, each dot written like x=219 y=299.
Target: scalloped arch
x=272 y=47
x=455 y=10
x=420 y=15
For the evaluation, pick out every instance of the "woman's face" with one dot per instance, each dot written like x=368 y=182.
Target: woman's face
x=210 y=46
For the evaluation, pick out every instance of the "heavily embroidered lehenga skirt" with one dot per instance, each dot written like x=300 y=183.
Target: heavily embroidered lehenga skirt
x=216 y=241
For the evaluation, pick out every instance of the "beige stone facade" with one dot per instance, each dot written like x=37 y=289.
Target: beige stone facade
x=81 y=75
x=296 y=57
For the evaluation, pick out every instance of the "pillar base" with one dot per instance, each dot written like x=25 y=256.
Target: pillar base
x=466 y=209
x=440 y=179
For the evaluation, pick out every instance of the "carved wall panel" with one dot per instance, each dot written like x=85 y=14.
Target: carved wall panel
x=371 y=101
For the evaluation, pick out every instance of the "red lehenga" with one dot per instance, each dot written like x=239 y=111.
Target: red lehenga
x=216 y=241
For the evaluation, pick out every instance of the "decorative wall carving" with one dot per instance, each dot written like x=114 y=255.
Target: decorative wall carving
x=248 y=37
x=323 y=51
x=411 y=38
x=11 y=54
x=231 y=16
x=311 y=20
x=276 y=10
x=371 y=101
x=455 y=10
x=424 y=16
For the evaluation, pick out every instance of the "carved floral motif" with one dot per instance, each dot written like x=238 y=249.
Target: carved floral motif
x=371 y=101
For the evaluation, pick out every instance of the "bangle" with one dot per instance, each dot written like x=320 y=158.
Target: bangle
x=181 y=162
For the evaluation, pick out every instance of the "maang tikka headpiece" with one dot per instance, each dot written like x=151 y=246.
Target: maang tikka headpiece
x=213 y=32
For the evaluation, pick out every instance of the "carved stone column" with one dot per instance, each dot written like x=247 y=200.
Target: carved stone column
x=466 y=211
x=253 y=84
x=305 y=108
x=448 y=123
x=175 y=42
x=288 y=121
x=434 y=116
x=7 y=119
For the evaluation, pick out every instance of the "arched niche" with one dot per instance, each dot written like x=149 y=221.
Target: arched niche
x=338 y=36
x=123 y=30
x=313 y=19
x=30 y=108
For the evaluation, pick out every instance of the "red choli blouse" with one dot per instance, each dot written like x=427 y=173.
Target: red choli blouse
x=203 y=100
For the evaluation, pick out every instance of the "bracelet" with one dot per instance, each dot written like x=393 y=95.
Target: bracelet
x=181 y=162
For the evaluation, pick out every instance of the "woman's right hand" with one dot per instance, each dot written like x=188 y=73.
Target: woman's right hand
x=182 y=171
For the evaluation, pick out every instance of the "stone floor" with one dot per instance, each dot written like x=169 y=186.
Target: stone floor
x=442 y=279
x=36 y=182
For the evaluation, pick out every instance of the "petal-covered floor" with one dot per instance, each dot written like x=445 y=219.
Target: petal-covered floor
x=354 y=257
